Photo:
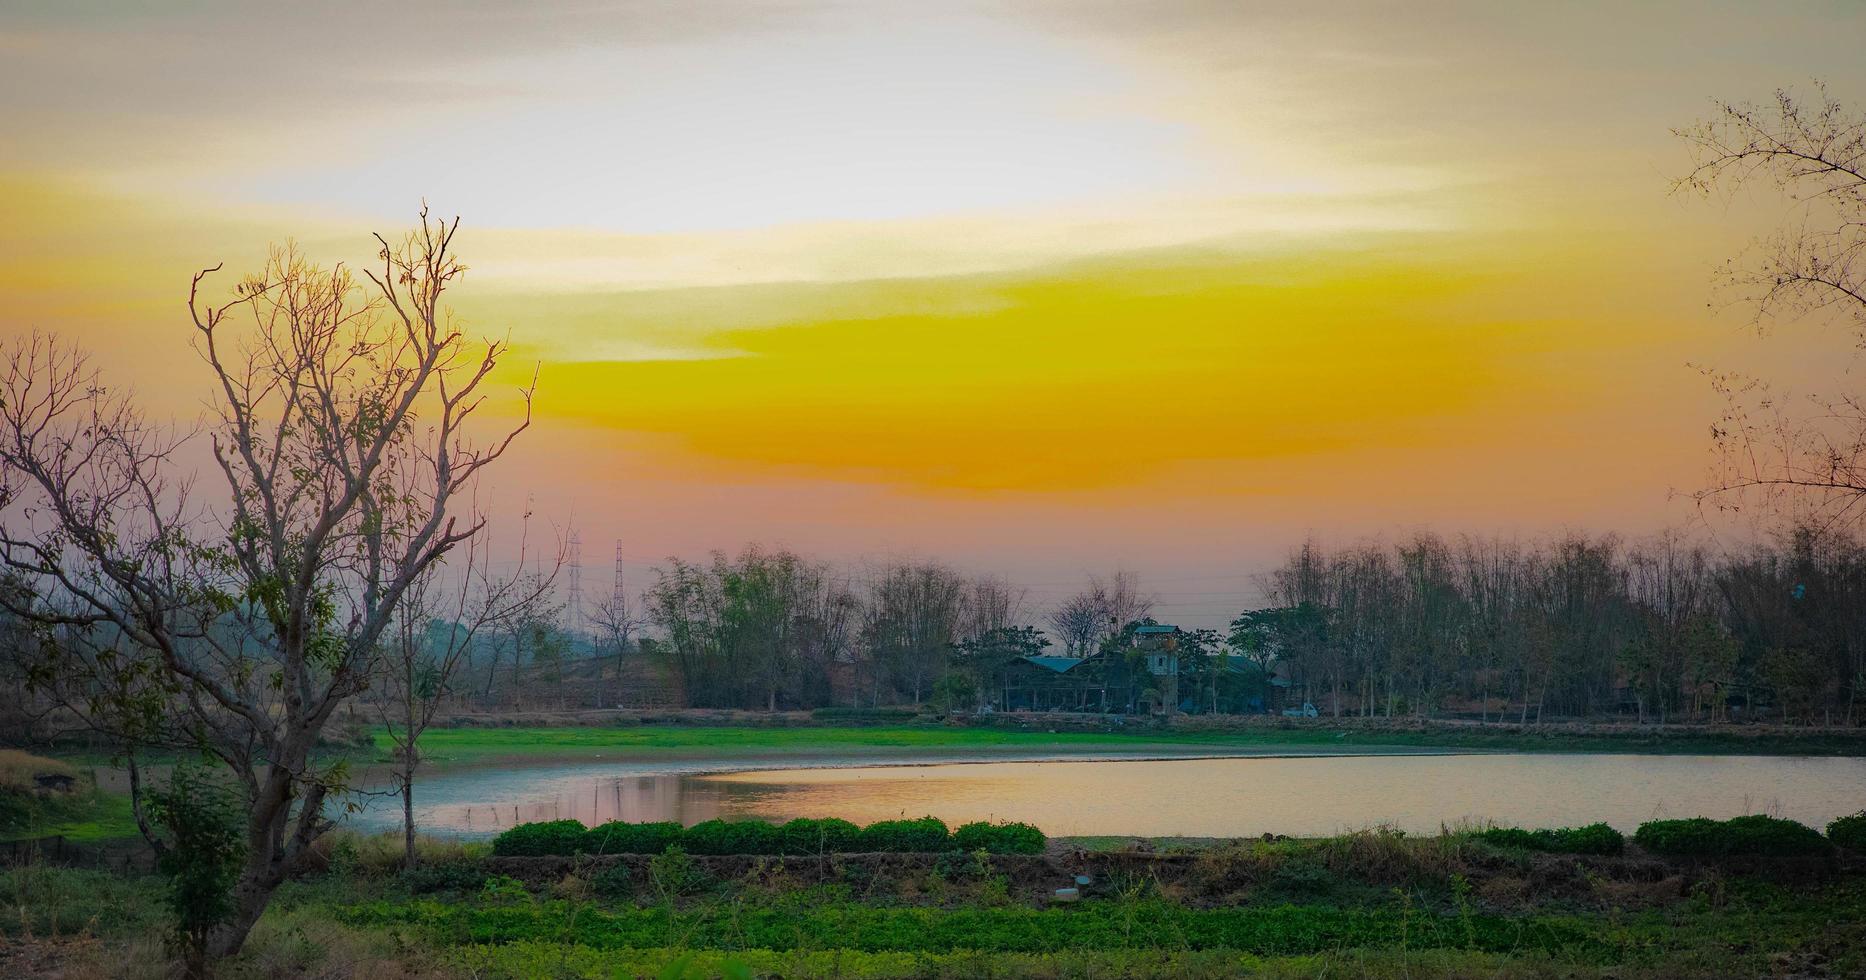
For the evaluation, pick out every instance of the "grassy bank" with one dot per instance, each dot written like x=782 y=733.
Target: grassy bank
x=1369 y=904
x=456 y=746
x=66 y=804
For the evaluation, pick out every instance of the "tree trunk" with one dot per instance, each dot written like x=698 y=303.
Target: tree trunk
x=250 y=897
x=411 y=734
x=408 y=818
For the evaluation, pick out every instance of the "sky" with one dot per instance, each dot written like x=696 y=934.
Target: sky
x=1040 y=289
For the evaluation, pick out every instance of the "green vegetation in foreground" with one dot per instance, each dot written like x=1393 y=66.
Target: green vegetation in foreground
x=468 y=746
x=1368 y=904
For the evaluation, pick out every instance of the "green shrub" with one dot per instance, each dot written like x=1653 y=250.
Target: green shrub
x=1849 y=832
x=454 y=876
x=999 y=838
x=613 y=881
x=673 y=873
x=1756 y=834
x=830 y=836
x=732 y=837
x=925 y=835
x=1302 y=880
x=622 y=837
x=203 y=817
x=953 y=692
x=503 y=890
x=1595 y=838
x=538 y=839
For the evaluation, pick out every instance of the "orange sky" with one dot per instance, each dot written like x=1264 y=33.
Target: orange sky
x=1041 y=288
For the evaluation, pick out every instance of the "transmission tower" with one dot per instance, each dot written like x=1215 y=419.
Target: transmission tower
x=573 y=608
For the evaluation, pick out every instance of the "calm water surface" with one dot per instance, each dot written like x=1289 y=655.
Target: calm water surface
x=1192 y=797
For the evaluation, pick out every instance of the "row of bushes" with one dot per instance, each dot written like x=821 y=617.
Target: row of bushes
x=798 y=837
x=1703 y=837
x=1693 y=837
x=1595 y=838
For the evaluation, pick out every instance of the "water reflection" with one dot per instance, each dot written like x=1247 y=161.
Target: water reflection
x=1312 y=796
x=1203 y=797
x=638 y=799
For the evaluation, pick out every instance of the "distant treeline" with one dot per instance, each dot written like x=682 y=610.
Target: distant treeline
x=1580 y=626
x=1663 y=629
x=771 y=629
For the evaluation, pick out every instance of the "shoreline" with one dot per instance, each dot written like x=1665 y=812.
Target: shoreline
x=960 y=787
x=892 y=757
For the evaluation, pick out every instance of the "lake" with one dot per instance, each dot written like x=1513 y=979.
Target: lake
x=1199 y=797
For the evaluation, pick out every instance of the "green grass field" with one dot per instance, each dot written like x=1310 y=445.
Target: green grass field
x=648 y=743
x=1373 y=905
x=105 y=816
x=82 y=814
x=470 y=746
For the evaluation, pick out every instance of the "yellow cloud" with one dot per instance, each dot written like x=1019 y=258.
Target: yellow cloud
x=1085 y=375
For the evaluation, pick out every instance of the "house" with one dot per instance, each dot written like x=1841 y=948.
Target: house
x=1040 y=683
x=1161 y=644
x=1158 y=644
x=1147 y=674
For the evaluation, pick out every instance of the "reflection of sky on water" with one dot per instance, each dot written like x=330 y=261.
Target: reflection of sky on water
x=1201 y=797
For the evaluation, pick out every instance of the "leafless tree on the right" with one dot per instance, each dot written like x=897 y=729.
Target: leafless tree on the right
x=1808 y=452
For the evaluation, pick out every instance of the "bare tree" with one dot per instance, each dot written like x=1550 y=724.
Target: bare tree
x=992 y=603
x=1809 y=451
x=428 y=652
x=616 y=620
x=1100 y=611
x=339 y=428
x=1078 y=622
x=527 y=629
x=914 y=613
x=1120 y=599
